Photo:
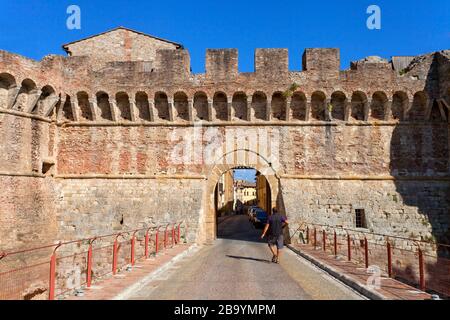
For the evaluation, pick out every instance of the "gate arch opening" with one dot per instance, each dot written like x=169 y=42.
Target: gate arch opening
x=238 y=190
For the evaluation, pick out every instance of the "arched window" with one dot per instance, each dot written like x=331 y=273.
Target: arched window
x=298 y=106
x=143 y=106
x=181 y=106
x=417 y=112
x=318 y=106
x=338 y=101
x=161 y=106
x=67 y=113
x=123 y=104
x=399 y=105
x=359 y=100
x=259 y=106
x=278 y=106
x=7 y=83
x=83 y=104
x=104 y=106
x=47 y=95
x=239 y=106
x=378 y=106
x=27 y=89
x=200 y=111
x=220 y=106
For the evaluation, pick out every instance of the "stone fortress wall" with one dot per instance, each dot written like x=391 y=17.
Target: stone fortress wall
x=86 y=142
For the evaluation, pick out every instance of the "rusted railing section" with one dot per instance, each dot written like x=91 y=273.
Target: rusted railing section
x=44 y=272
x=424 y=264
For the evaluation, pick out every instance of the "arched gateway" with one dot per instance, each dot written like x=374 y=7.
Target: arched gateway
x=229 y=161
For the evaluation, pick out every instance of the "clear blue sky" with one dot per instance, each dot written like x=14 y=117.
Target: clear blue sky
x=245 y=174
x=409 y=27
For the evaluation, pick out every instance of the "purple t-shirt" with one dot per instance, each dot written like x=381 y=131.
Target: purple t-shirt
x=275 y=223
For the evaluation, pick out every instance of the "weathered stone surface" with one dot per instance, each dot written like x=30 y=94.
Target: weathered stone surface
x=111 y=116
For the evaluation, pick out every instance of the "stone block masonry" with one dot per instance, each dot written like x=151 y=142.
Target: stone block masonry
x=88 y=140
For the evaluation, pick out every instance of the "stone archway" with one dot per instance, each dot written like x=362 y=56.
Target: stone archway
x=236 y=158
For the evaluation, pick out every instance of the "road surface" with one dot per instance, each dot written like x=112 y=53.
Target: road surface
x=238 y=267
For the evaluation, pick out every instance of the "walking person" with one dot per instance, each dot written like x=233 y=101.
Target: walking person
x=274 y=228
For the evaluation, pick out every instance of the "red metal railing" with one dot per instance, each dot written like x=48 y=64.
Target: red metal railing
x=53 y=270
x=420 y=263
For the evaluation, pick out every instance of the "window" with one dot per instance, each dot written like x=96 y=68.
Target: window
x=360 y=218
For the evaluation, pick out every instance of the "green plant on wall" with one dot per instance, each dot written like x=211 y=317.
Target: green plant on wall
x=330 y=107
x=290 y=91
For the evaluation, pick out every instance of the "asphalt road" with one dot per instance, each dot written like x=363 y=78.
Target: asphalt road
x=238 y=267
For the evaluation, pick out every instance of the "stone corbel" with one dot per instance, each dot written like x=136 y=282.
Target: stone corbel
x=388 y=110
x=151 y=109
x=445 y=105
x=327 y=112
x=429 y=109
x=347 y=110
x=60 y=111
x=269 y=109
x=288 y=109
x=33 y=99
x=229 y=108
x=51 y=105
x=94 y=107
x=114 y=110
x=171 y=109
x=308 y=109
x=367 y=105
x=12 y=96
x=249 y=109
x=133 y=109
x=75 y=107
x=210 y=107
x=190 y=110
x=442 y=109
x=406 y=107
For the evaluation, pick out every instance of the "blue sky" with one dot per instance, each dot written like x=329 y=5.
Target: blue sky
x=245 y=174
x=409 y=27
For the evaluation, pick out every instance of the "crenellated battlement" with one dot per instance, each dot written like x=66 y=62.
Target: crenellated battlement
x=150 y=81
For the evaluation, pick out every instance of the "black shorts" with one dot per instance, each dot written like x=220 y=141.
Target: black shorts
x=276 y=241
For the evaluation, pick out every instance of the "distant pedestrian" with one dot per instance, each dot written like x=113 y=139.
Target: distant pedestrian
x=274 y=228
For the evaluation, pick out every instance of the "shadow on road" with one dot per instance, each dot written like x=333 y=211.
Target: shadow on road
x=238 y=227
x=249 y=258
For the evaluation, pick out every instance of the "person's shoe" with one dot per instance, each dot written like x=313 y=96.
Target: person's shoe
x=274 y=258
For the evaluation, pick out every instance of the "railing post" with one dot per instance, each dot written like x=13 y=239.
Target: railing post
x=389 y=257
x=173 y=235
x=156 y=240
x=115 y=247
x=315 y=238
x=133 y=242
x=147 y=238
x=51 y=287
x=335 y=244
x=52 y=278
x=307 y=235
x=89 y=265
x=349 y=248
x=421 y=271
x=366 y=252
x=324 y=237
x=165 y=236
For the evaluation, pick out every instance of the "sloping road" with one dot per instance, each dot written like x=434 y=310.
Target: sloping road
x=238 y=266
